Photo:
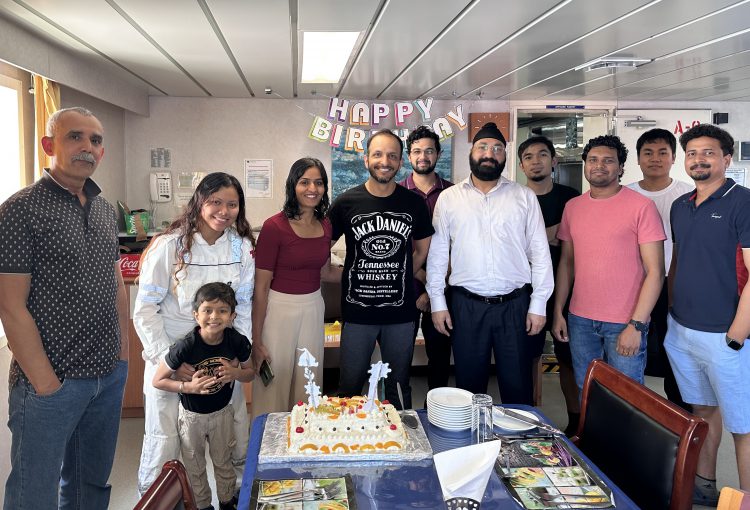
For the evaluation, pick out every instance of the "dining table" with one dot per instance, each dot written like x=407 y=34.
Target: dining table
x=396 y=485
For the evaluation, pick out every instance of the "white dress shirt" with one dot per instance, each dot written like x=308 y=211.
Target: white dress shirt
x=495 y=243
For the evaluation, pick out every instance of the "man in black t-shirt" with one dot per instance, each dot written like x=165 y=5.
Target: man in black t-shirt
x=387 y=230
x=537 y=157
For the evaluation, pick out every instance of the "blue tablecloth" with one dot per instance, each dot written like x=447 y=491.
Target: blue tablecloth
x=393 y=487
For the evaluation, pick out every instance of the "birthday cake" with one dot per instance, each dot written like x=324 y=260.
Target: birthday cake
x=343 y=425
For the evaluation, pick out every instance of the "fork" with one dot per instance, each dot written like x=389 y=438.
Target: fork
x=316 y=494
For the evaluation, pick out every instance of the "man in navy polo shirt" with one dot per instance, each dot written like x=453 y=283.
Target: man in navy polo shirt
x=710 y=315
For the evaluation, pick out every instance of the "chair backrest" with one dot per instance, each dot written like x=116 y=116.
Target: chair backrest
x=733 y=499
x=170 y=491
x=645 y=444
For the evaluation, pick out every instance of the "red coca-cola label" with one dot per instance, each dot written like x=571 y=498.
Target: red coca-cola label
x=129 y=263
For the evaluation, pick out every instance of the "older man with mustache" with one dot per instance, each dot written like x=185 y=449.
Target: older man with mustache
x=64 y=309
x=492 y=231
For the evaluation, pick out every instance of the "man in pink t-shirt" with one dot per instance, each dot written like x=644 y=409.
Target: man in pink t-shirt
x=613 y=247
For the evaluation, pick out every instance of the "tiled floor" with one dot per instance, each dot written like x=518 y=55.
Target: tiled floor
x=123 y=477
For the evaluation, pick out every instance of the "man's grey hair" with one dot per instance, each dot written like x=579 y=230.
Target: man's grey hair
x=55 y=117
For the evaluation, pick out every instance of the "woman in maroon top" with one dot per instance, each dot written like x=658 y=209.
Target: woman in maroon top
x=291 y=257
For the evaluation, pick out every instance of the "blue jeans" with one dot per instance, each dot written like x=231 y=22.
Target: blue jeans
x=63 y=444
x=590 y=340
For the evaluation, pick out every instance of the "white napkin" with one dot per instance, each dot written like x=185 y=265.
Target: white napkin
x=464 y=472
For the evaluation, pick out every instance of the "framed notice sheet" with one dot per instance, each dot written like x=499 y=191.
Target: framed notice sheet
x=258 y=178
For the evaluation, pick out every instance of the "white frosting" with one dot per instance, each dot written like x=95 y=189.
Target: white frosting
x=339 y=425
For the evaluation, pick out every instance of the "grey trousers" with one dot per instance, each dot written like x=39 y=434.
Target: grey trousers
x=396 y=348
x=217 y=428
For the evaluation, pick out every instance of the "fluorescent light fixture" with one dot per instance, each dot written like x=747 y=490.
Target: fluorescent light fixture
x=627 y=63
x=640 y=122
x=325 y=54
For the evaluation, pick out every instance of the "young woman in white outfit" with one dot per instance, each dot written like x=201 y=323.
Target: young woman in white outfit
x=210 y=242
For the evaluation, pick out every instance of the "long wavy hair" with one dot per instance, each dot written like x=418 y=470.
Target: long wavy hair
x=188 y=222
x=291 y=204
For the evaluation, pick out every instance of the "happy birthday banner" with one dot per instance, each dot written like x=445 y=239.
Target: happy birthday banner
x=334 y=128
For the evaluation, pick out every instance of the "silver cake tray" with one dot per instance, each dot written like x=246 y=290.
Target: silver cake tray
x=273 y=446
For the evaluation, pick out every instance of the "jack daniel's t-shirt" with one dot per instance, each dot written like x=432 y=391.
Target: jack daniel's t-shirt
x=376 y=286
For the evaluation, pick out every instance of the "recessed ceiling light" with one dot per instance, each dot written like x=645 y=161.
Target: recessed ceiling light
x=325 y=54
x=613 y=63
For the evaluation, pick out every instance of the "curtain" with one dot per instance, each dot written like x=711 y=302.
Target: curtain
x=46 y=102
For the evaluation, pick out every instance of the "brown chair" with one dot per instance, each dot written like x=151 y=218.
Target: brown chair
x=170 y=491
x=645 y=444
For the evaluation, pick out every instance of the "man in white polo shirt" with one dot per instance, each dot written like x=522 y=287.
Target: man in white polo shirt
x=656 y=150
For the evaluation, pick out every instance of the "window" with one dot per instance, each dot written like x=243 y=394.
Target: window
x=11 y=144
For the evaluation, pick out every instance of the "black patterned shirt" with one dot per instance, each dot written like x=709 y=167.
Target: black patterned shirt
x=70 y=252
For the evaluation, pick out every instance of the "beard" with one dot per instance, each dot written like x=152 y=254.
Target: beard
x=700 y=176
x=382 y=179
x=486 y=172
x=424 y=171
x=601 y=181
x=537 y=178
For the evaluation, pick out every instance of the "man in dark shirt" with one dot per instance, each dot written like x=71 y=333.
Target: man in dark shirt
x=423 y=148
x=709 y=321
x=537 y=157
x=64 y=309
x=387 y=230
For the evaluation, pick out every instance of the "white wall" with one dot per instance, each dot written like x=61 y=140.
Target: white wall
x=738 y=126
x=207 y=134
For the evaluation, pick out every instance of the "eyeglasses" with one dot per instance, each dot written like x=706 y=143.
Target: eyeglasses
x=496 y=149
x=426 y=152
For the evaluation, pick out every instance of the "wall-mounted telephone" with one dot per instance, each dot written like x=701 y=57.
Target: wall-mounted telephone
x=160 y=186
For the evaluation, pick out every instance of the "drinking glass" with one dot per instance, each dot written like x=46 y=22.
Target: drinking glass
x=481 y=418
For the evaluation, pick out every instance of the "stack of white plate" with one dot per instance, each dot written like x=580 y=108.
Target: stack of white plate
x=449 y=408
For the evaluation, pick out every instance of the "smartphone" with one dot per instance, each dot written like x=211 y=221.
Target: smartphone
x=266 y=374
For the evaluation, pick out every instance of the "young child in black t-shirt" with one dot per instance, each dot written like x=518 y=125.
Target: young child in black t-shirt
x=220 y=356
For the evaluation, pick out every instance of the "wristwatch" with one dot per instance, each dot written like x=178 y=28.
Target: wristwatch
x=734 y=344
x=640 y=326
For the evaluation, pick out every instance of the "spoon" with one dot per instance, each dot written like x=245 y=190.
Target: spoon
x=409 y=420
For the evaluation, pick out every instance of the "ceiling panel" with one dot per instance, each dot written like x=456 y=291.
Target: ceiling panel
x=408 y=48
x=404 y=30
x=201 y=54
x=259 y=35
x=620 y=39
x=49 y=32
x=478 y=31
x=700 y=88
x=687 y=80
x=720 y=57
x=563 y=27
x=738 y=95
x=115 y=37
